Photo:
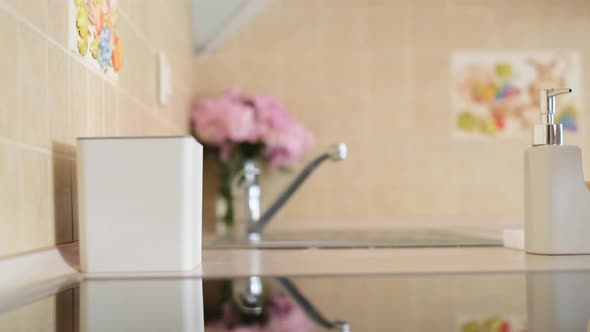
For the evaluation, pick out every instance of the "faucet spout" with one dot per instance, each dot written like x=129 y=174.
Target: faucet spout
x=336 y=152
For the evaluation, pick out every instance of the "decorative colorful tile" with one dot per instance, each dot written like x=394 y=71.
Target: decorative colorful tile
x=93 y=34
x=497 y=93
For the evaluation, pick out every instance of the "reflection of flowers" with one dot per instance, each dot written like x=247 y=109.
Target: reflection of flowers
x=285 y=316
x=280 y=315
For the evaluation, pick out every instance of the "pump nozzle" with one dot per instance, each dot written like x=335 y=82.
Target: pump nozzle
x=548 y=133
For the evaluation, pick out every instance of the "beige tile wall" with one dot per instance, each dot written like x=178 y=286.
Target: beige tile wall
x=375 y=74
x=48 y=97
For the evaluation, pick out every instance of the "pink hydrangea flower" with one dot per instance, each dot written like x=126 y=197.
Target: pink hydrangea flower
x=240 y=123
x=235 y=118
x=225 y=118
x=208 y=121
x=286 y=148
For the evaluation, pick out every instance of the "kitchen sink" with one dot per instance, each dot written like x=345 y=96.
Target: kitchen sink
x=371 y=238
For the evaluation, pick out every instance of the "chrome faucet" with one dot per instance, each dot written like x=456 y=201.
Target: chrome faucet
x=247 y=184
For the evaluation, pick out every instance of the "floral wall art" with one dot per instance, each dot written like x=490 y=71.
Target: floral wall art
x=497 y=94
x=93 y=32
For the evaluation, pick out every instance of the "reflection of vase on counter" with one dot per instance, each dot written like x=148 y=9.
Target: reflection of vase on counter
x=280 y=314
x=253 y=304
x=238 y=128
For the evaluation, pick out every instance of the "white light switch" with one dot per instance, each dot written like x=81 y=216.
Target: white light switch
x=164 y=78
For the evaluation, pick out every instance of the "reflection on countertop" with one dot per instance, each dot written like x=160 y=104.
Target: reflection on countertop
x=532 y=301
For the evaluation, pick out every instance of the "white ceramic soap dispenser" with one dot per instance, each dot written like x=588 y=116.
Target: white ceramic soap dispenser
x=557 y=201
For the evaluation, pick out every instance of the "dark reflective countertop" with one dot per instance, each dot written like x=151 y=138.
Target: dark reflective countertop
x=536 y=301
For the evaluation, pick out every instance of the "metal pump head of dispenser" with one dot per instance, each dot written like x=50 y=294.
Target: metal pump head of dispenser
x=548 y=132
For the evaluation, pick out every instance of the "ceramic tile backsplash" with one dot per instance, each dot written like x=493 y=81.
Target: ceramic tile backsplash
x=95 y=110
x=9 y=117
x=110 y=110
x=58 y=102
x=78 y=100
x=36 y=228
x=32 y=67
x=57 y=14
x=32 y=10
x=48 y=98
x=10 y=207
x=61 y=191
x=375 y=74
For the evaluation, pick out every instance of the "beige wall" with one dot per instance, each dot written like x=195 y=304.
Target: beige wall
x=48 y=97
x=375 y=74
x=417 y=303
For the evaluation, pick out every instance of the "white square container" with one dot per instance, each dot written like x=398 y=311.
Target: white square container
x=140 y=201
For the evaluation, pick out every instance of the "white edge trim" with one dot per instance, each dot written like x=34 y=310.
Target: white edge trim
x=38 y=271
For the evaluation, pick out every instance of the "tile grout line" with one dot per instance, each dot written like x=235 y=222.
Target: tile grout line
x=19 y=94
x=32 y=148
x=133 y=23
x=72 y=162
x=104 y=127
x=18 y=148
x=49 y=114
x=137 y=31
x=87 y=118
x=50 y=163
x=70 y=131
